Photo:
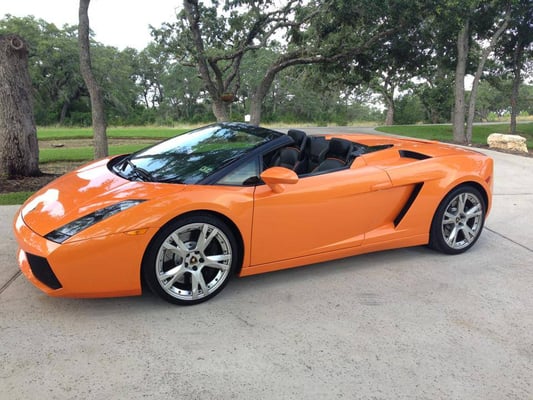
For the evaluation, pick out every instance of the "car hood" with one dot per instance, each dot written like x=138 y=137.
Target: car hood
x=82 y=192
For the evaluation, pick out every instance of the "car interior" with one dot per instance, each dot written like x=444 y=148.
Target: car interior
x=314 y=154
x=305 y=155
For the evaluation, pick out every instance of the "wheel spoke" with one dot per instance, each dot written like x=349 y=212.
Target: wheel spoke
x=452 y=238
x=461 y=202
x=448 y=218
x=468 y=233
x=206 y=237
x=198 y=279
x=173 y=274
x=474 y=211
x=179 y=248
x=217 y=261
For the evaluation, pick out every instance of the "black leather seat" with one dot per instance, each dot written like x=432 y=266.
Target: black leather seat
x=288 y=158
x=294 y=157
x=316 y=149
x=337 y=156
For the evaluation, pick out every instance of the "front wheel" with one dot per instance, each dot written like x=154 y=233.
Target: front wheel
x=458 y=221
x=191 y=260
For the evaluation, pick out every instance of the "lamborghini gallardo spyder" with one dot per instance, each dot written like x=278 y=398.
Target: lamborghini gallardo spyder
x=187 y=214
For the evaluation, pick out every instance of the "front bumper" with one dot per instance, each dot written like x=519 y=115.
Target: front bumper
x=102 y=267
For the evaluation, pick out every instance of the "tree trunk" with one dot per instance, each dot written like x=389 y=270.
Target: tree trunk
x=460 y=71
x=517 y=79
x=64 y=111
x=67 y=103
x=256 y=105
x=97 y=101
x=258 y=96
x=477 y=77
x=19 y=150
x=221 y=110
x=434 y=117
x=389 y=118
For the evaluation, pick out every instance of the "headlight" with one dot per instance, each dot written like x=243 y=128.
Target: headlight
x=74 y=227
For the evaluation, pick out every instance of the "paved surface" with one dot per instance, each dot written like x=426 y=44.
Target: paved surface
x=403 y=324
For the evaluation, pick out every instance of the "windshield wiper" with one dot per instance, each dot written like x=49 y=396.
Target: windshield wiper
x=172 y=180
x=140 y=172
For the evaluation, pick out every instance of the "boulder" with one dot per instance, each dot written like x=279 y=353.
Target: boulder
x=507 y=142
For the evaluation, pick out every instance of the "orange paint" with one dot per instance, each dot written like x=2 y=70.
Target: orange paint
x=288 y=221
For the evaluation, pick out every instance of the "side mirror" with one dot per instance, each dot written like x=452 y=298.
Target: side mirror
x=276 y=177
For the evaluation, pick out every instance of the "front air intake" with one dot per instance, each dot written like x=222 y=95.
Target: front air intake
x=42 y=271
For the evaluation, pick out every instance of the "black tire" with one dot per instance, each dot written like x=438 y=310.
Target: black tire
x=191 y=259
x=458 y=221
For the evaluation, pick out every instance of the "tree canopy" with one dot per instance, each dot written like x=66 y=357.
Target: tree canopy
x=312 y=61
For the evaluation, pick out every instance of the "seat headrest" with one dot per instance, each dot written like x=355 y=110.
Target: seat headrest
x=298 y=136
x=339 y=148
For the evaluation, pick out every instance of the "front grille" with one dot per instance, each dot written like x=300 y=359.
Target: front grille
x=42 y=271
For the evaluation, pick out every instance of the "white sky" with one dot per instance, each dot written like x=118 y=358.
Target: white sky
x=119 y=23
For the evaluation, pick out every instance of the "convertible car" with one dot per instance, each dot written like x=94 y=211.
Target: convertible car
x=185 y=215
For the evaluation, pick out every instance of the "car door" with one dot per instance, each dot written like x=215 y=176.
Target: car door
x=321 y=213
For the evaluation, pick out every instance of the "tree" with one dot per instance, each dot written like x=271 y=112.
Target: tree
x=392 y=68
x=116 y=71
x=501 y=26
x=171 y=90
x=216 y=39
x=97 y=102
x=60 y=94
x=492 y=99
x=339 y=32
x=436 y=96
x=19 y=153
x=409 y=110
x=475 y=22
x=463 y=43
x=53 y=66
x=516 y=51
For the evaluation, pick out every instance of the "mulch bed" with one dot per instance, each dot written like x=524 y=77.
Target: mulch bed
x=50 y=171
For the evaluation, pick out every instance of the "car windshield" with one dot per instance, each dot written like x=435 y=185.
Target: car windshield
x=191 y=157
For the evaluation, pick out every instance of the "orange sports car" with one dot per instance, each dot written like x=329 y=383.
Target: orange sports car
x=188 y=213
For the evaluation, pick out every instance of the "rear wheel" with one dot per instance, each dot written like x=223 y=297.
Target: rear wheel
x=191 y=260
x=458 y=221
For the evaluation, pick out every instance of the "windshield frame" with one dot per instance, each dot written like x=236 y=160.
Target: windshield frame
x=184 y=158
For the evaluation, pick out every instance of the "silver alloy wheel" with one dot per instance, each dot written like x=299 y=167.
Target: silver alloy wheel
x=193 y=261
x=462 y=220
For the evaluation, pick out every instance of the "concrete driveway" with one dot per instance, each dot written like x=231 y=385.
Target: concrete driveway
x=403 y=324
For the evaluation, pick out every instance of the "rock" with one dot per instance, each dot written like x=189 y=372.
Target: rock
x=507 y=142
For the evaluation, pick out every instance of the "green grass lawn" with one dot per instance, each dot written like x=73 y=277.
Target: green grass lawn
x=7 y=199
x=83 y=153
x=445 y=132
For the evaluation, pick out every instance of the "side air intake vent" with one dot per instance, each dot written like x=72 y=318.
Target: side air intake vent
x=408 y=203
x=413 y=154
